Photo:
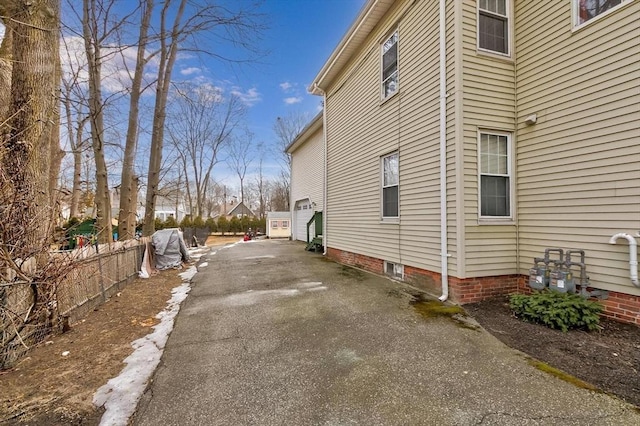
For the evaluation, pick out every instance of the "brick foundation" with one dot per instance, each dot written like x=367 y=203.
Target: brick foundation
x=618 y=306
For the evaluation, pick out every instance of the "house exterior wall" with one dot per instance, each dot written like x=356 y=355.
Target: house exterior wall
x=488 y=103
x=575 y=173
x=579 y=165
x=307 y=170
x=361 y=128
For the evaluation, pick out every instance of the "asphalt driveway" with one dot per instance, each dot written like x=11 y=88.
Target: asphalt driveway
x=273 y=335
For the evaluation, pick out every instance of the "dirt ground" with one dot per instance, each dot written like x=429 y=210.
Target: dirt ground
x=609 y=359
x=46 y=388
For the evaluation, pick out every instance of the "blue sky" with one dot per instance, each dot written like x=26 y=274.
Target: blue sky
x=302 y=35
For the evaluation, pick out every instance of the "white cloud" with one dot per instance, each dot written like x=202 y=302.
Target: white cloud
x=249 y=98
x=117 y=64
x=293 y=100
x=286 y=86
x=190 y=71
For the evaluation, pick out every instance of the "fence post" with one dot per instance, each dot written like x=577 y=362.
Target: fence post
x=104 y=296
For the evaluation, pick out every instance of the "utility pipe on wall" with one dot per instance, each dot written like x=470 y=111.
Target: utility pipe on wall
x=444 y=255
x=633 y=255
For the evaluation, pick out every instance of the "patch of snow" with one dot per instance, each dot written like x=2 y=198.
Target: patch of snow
x=309 y=285
x=121 y=394
x=188 y=274
x=203 y=265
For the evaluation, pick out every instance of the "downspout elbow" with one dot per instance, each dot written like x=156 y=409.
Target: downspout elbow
x=633 y=255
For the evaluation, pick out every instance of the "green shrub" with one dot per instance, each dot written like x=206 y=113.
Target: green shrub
x=235 y=225
x=198 y=222
x=223 y=224
x=170 y=222
x=159 y=224
x=211 y=224
x=186 y=222
x=557 y=310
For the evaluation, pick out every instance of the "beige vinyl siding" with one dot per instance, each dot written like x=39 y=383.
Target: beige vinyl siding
x=488 y=104
x=579 y=165
x=361 y=128
x=307 y=170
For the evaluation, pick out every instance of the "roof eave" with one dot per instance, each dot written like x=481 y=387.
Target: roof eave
x=368 y=17
x=308 y=130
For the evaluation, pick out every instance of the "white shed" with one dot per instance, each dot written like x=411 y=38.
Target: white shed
x=278 y=224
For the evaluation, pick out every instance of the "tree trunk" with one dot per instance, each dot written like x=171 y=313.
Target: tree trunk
x=167 y=60
x=6 y=56
x=94 y=65
x=126 y=228
x=32 y=109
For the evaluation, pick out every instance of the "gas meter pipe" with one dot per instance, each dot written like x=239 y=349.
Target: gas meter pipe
x=633 y=255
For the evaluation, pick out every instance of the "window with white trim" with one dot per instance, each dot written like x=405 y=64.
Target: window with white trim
x=493 y=25
x=285 y=223
x=495 y=175
x=390 y=66
x=390 y=185
x=585 y=10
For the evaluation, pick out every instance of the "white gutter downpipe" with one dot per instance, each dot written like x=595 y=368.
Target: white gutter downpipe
x=317 y=88
x=444 y=256
x=633 y=255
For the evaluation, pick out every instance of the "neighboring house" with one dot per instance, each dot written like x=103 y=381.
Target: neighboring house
x=240 y=210
x=307 y=178
x=278 y=224
x=465 y=137
x=166 y=208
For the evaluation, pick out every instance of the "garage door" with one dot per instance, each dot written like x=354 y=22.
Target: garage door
x=303 y=212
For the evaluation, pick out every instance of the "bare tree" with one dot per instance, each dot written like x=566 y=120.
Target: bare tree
x=128 y=181
x=94 y=36
x=237 y=27
x=260 y=182
x=240 y=155
x=28 y=141
x=286 y=128
x=76 y=117
x=200 y=124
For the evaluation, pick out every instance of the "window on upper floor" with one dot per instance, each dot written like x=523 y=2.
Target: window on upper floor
x=493 y=25
x=585 y=10
x=495 y=175
x=390 y=66
x=390 y=185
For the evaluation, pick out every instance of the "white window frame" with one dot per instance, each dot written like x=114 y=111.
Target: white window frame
x=575 y=12
x=393 y=219
x=509 y=18
x=396 y=72
x=397 y=270
x=509 y=219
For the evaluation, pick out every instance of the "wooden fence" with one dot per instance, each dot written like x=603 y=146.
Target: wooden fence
x=95 y=274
